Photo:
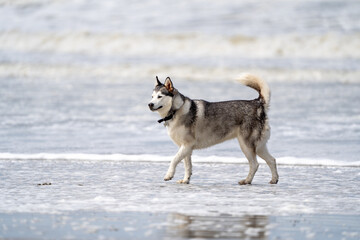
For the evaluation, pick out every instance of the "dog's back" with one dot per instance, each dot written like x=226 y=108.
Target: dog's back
x=210 y=123
x=217 y=122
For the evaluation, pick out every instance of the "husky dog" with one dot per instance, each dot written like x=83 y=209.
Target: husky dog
x=196 y=124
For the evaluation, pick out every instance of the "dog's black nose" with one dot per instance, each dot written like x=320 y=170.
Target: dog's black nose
x=151 y=105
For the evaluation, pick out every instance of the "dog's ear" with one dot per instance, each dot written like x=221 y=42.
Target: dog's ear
x=169 y=85
x=158 y=83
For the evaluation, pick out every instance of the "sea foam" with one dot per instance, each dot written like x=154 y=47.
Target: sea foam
x=285 y=160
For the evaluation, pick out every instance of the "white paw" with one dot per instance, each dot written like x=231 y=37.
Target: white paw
x=244 y=182
x=274 y=181
x=168 y=176
x=184 y=181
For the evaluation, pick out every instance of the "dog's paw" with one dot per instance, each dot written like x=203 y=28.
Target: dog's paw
x=244 y=182
x=274 y=181
x=168 y=176
x=183 y=181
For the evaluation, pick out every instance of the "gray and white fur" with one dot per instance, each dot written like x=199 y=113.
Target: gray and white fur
x=197 y=124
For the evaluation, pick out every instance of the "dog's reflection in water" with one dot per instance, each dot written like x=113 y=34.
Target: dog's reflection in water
x=221 y=227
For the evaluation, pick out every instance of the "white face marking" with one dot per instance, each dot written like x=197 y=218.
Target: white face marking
x=160 y=101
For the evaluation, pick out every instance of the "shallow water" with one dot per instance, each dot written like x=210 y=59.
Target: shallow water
x=76 y=76
x=130 y=225
x=114 y=186
x=112 y=199
x=315 y=123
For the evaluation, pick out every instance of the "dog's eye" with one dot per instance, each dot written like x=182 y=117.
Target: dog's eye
x=159 y=96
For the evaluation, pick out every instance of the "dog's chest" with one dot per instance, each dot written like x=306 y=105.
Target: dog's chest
x=178 y=133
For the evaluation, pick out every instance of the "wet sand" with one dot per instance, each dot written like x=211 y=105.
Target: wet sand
x=129 y=200
x=140 y=225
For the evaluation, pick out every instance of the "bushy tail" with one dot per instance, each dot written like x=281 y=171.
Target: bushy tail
x=257 y=84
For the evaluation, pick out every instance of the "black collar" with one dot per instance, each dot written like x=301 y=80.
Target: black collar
x=168 y=117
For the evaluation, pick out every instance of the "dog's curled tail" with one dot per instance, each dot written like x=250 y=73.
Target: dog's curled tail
x=257 y=84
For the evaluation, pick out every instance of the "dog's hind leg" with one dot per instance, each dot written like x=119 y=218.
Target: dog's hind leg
x=263 y=152
x=250 y=154
x=188 y=170
x=184 y=152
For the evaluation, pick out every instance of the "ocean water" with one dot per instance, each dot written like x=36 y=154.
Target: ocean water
x=76 y=78
x=312 y=123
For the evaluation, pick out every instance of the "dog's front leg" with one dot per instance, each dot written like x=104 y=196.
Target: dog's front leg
x=188 y=170
x=184 y=151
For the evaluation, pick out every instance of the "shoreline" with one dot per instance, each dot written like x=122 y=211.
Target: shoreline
x=149 y=158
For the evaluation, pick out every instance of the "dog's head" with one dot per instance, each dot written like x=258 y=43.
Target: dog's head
x=162 y=96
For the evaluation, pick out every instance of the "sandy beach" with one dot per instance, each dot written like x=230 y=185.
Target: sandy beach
x=129 y=200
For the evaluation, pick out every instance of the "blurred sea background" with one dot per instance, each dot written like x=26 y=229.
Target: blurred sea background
x=76 y=76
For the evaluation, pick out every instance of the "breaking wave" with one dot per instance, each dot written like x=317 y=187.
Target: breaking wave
x=158 y=158
x=316 y=46
x=321 y=57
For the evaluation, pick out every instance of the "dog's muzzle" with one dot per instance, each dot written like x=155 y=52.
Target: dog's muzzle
x=151 y=106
